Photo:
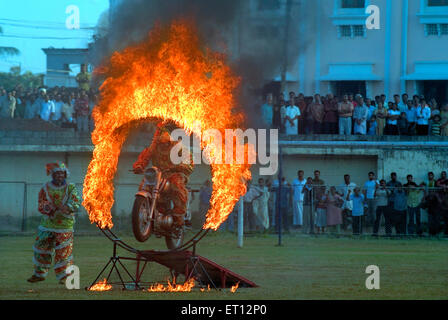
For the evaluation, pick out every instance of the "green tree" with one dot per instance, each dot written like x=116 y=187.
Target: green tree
x=8 y=51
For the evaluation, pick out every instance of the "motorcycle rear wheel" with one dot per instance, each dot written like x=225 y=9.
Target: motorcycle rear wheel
x=140 y=227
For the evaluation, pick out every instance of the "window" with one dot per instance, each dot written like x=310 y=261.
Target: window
x=437 y=3
x=353 y=4
x=436 y=29
x=268 y=5
x=267 y=31
x=351 y=31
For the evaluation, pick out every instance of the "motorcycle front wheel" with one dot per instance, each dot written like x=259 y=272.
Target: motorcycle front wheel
x=141 y=222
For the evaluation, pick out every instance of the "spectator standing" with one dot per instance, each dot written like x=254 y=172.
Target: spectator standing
x=392 y=185
x=8 y=106
x=411 y=116
x=403 y=105
x=423 y=116
x=67 y=111
x=20 y=107
x=414 y=198
x=249 y=216
x=276 y=120
x=300 y=102
x=392 y=120
x=318 y=112
x=47 y=109
x=345 y=112
x=403 y=125
x=297 y=198
x=360 y=115
x=321 y=212
x=436 y=126
x=399 y=215
x=331 y=115
x=308 y=210
x=373 y=126
x=291 y=119
x=369 y=193
x=32 y=109
x=260 y=205
x=347 y=205
x=82 y=113
x=267 y=112
x=83 y=78
x=358 y=209
x=205 y=194
x=381 y=116
x=444 y=120
x=381 y=195
x=57 y=115
x=334 y=212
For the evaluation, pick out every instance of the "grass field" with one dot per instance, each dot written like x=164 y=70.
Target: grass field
x=303 y=268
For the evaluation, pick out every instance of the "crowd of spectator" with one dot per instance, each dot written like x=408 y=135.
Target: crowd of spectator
x=354 y=114
x=62 y=106
x=311 y=206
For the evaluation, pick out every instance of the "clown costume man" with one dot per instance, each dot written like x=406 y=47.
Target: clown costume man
x=58 y=201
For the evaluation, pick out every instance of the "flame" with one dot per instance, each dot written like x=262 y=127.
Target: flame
x=208 y=288
x=101 y=286
x=234 y=288
x=173 y=287
x=169 y=76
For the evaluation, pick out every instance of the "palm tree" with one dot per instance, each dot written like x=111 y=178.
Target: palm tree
x=8 y=51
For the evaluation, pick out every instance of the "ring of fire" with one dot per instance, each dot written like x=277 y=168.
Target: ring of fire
x=168 y=77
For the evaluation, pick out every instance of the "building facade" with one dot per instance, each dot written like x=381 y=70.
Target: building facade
x=339 y=54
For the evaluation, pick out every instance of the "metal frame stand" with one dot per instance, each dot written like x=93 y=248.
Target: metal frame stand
x=143 y=259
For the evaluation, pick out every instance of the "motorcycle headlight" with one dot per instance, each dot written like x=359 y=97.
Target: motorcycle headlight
x=150 y=177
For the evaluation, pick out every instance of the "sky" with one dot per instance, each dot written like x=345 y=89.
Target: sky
x=30 y=25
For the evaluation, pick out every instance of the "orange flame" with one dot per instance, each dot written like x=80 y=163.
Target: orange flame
x=101 y=286
x=173 y=287
x=167 y=77
x=208 y=288
x=234 y=288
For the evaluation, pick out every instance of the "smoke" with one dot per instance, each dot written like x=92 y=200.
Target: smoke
x=255 y=47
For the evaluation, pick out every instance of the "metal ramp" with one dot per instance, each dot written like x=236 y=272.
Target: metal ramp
x=179 y=262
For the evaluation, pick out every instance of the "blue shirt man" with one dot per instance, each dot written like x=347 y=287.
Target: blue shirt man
x=358 y=204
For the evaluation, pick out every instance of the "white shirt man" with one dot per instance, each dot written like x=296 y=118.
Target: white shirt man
x=343 y=190
x=393 y=112
x=423 y=115
x=370 y=187
x=292 y=113
x=47 y=108
x=297 y=187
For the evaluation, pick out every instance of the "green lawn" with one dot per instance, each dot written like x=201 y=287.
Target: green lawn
x=304 y=268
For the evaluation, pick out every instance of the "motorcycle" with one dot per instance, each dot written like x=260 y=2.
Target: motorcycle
x=151 y=213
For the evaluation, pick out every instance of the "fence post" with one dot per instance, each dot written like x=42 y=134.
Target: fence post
x=240 y=222
x=24 y=207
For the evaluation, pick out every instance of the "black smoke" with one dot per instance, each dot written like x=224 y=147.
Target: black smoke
x=255 y=47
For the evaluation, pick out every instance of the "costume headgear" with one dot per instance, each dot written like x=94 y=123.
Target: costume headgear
x=55 y=167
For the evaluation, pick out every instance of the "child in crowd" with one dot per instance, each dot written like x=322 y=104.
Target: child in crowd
x=372 y=126
x=358 y=209
x=435 y=126
x=321 y=213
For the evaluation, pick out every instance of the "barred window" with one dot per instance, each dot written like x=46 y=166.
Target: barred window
x=358 y=31
x=351 y=31
x=432 y=30
x=345 y=31
x=352 y=4
x=444 y=29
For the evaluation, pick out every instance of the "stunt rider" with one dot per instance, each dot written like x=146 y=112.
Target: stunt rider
x=177 y=175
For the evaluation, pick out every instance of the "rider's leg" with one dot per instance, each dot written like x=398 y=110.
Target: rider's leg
x=179 y=195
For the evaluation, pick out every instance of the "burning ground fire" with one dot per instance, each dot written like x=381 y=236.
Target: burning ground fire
x=167 y=77
x=101 y=286
x=173 y=287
